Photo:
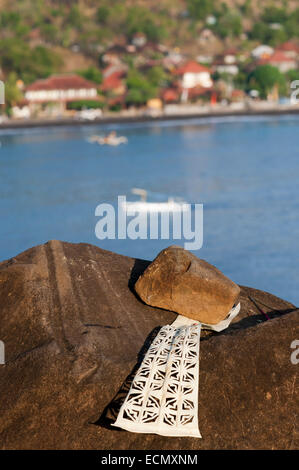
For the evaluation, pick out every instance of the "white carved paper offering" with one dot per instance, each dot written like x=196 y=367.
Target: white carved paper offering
x=163 y=398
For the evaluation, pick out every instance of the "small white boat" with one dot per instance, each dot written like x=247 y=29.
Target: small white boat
x=171 y=205
x=110 y=139
x=168 y=206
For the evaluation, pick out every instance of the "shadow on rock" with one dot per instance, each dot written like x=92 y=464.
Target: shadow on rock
x=138 y=269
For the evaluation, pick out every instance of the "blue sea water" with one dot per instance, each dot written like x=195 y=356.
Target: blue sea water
x=245 y=171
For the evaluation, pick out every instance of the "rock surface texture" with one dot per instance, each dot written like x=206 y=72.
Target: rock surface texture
x=179 y=281
x=74 y=331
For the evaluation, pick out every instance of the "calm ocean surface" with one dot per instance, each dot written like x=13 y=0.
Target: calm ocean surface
x=244 y=170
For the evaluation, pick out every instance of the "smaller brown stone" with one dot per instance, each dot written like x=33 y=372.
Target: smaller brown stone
x=179 y=281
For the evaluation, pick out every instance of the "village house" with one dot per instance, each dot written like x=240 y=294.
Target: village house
x=113 y=81
x=289 y=49
x=227 y=63
x=114 y=84
x=230 y=56
x=238 y=96
x=220 y=67
x=139 y=40
x=113 y=54
x=263 y=51
x=172 y=59
x=205 y=59
x=193 y=80
x=206 y=35
x=192 y=74
x=170 y=95
x=280 y=60
x=58 y=90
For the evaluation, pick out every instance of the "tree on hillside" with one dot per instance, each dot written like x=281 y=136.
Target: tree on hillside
x=229 y=24
x=43 y=63
x=291 y=26
x=141 y=20
x=157 y=76
x=93 y=74
x=9 y=19
x=12 y=93
x=274 y=14
x=102 y=15
x=293 y=75
x=75 y=17
x=140 y=90
x=200 y=9
x=29 y=64
x=267 y=35
x=287 y=21
x=264 y=78
x=246 y=8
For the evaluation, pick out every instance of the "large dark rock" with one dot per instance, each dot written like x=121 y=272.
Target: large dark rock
x=74 y=330
x=179 y=281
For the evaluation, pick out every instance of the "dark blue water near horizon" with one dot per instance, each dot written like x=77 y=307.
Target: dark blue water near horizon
x=244 y=170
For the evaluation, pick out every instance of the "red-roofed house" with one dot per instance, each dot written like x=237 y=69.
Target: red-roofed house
x=114 y=85
x=193 y=74
x=112 y=68
x=290 y=49
x=58 y=90
x=280 y=60
x=194 y=80
x=61 y=88
x=170 y=95
x=113 y=80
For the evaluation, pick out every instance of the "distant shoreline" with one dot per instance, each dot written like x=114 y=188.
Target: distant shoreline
x=120 y=119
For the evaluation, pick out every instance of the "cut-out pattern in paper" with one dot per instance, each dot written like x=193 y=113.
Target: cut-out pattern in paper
x=163 y=398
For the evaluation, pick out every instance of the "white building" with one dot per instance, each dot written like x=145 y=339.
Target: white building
x=262 y=51
x=194 y=75
x=61 y=88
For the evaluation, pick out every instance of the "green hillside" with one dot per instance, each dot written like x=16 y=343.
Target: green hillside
x=38 y=37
